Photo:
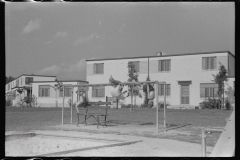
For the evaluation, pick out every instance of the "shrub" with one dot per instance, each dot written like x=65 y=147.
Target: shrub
x=8 y=102
x=128 y=106
x=161 y=104
x=210 y=103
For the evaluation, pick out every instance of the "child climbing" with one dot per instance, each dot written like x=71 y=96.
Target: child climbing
x=116 y=90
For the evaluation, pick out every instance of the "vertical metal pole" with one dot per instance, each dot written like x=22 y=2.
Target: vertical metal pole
x=78 y=92
x=156 y=93
x=131 y=98
x=63 y=105
x=107 y=100
x=72 y=105
x=55 y=97
x=164 y=117
x=203 y=143
x=30 y=95
x=117 y=104
x=148 y=70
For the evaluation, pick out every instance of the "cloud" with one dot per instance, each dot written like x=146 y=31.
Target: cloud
x=76 y=71
x=82 y=40
x=32 y=26
x=50 y=70
x=61 y=34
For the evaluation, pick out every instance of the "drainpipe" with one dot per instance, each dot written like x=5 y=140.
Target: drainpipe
x=148 y=70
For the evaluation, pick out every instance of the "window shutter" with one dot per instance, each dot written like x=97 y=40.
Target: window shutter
x=169 y=65
x=214 y=62
x=206 y=92
x=163 y=66
x=159 y=65
x=211 y=92
x=48 y=89
x=40 y=91
x=95 y=69
x=93 y=92
x=202 y=92
x=204 y=63
x=102 y=68
x=168 y=89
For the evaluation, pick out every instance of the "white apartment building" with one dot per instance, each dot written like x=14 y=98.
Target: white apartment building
x=189 y=77
x=47 y=96
x=23 y=82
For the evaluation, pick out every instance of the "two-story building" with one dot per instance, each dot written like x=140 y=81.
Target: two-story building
x=189 y=77
x=23 y=82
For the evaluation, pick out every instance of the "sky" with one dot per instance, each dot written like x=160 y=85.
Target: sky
x=56 y=38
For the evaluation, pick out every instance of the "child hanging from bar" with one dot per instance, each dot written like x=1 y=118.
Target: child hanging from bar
x=83 y=101
x=149 y=93
x=116 y=90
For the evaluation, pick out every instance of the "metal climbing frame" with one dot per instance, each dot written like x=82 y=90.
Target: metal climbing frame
x=156 y=83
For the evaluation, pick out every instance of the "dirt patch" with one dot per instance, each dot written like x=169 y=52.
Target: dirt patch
x=30 y=146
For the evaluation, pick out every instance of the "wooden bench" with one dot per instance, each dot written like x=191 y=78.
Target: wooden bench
x=95 y=110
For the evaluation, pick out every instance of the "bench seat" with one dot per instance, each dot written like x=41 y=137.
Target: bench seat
x=95 y=110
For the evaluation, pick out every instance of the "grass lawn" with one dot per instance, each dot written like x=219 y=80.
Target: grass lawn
x=44 y=118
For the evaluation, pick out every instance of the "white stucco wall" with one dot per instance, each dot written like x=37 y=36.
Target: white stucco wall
x=183 y=68
x=51 y=101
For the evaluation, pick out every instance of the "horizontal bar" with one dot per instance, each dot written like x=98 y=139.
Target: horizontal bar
x=110 y=84
x=213 y=130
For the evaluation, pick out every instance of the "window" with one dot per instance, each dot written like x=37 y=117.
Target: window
x=28 y=80
x=98 y=68
x=164 y=65
x=17 y=84
x=8 y=86
x=44 y=91
x=21 y=81
x=135 y=65
x=98 y=91
x=209 y=63
x=208 y=90
x=161 y=89
x=67 y=92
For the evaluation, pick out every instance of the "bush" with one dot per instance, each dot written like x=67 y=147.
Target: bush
x=210 y=103
x=8 y=102
x=128 y=106
x=161 y=104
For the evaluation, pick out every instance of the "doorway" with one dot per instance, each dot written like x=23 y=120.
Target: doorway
x=184 y=94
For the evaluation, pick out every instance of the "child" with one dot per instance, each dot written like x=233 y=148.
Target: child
x=83 y=102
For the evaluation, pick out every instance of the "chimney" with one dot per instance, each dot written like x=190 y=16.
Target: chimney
x=159 y=54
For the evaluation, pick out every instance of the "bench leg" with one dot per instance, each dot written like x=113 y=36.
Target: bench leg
x=105 y=121
x=82 y=121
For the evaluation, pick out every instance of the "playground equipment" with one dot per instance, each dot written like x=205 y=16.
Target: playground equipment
x=156 y=84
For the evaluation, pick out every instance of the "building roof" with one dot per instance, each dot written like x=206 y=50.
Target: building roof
x=60 y=81
x=171 y=55
x=30 y=75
